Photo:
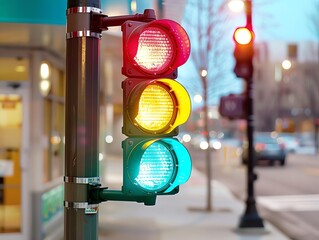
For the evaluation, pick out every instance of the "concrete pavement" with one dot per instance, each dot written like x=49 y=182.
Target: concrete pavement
x=180 y=216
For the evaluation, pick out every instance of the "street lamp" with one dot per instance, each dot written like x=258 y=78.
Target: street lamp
x=236 y=5
x=203 y=73
x=198 y=98
x=282 y=93
x=286 y=64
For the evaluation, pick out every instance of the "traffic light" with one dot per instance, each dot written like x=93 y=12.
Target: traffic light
x=154 y=106
x=243 y=52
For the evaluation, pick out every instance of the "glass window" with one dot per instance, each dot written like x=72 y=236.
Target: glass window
x=10 y=171
x=53 y=152
x=14 y=69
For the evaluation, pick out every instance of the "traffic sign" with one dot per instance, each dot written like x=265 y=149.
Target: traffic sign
x=233 y=106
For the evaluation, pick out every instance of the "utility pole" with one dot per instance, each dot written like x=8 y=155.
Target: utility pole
x=250 y=218
x=82 y=120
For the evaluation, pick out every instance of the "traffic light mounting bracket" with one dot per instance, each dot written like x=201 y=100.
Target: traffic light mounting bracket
x=100 y=22
x=98 y=194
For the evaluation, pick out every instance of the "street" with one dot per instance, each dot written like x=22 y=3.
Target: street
x=286 y=196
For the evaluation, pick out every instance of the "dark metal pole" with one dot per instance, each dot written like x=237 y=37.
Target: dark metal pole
x=82 y=120
x=250 y=218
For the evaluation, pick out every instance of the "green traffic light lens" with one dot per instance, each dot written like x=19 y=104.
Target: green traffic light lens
x=157 y=168
x=154 y=165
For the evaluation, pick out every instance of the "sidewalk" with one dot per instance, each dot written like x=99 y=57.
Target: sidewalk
x=177 y=217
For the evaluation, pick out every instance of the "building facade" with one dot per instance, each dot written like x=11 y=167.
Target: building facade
x=286 y=99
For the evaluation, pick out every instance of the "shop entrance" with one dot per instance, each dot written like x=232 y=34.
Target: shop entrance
x=12 y=197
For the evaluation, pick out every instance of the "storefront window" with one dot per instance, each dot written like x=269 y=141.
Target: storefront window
x=10 y=171
x=14 y=69
x=53 y=153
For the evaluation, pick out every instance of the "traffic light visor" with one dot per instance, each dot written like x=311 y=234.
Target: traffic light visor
x=159 y=106
x=243 y=35
x=158 y=47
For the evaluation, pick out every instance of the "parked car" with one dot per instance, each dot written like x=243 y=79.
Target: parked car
x=266 y=148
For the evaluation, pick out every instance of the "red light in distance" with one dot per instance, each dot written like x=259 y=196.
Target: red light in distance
x=243 y=35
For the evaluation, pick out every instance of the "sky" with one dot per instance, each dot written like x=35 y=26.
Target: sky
x=288 y=20
x=273 y=21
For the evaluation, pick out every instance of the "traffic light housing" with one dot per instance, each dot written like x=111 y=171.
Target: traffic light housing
x=244 y=52
x=154 y=106
x=154 y=49
x=154 y=166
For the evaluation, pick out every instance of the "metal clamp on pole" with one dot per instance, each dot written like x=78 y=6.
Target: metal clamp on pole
x=90 y=208
x=79 y=22
x=80 y=180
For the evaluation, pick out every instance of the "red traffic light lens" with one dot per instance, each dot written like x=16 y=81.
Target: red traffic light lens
x=243 y=35
x=158 y=47
x=155 y=50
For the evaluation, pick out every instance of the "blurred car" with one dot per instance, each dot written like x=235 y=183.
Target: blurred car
x=290 y=142
x=266 y=148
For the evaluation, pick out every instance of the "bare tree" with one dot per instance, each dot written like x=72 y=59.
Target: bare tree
x=205 y=21
x=206 y=24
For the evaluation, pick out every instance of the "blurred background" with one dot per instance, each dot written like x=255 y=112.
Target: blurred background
x=286 y=106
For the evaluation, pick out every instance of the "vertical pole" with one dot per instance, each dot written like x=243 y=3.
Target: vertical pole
x=250 y=218
x=160 y=13
x=207 y=151
x=82 y=120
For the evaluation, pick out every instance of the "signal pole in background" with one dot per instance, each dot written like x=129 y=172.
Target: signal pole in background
x=250 y=218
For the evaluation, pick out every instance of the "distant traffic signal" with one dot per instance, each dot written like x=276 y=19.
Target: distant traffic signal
x=243 y=52
x=154 y=105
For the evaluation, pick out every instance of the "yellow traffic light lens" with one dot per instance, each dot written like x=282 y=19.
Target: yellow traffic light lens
x=155 y=50
x=243 y=36
x=156 y=108
x=156 y=168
